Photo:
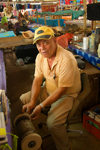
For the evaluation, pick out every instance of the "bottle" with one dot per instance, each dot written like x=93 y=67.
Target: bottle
x=98 y=50
x=92 y=42
x=97 y=38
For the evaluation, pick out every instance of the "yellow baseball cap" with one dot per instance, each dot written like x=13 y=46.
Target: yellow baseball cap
x=43 y=32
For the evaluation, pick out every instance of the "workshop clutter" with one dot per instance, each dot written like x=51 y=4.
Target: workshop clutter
x=91 y=121
x=28 y=34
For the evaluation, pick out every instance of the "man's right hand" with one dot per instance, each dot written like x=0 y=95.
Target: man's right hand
x=28 y=107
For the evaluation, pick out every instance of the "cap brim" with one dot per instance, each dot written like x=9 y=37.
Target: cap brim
x=41 y=37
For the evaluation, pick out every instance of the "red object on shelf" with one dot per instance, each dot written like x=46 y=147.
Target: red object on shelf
x=81 y=1
x=91 y=126
x=90 y=1
x=67 y=2
x=64 y=39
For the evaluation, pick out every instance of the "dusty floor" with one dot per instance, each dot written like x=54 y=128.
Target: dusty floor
x=19 y=80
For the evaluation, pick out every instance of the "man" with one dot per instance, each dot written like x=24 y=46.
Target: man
x=62 y=85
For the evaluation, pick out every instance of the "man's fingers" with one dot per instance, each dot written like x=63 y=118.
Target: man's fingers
x=26 y=109
x=33 y=116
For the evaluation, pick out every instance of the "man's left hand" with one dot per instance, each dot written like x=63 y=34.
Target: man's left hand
x=36 y=112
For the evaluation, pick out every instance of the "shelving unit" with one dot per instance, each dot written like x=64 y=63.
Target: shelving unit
x=91 y=24
x=75 y=6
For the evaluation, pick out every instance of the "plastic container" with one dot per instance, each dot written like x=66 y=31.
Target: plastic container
x=97 y=38
x=92 y=42
x=98 y=50
x=85 y=43
x=91 y=125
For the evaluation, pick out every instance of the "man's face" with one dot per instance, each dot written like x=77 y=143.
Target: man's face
x=47 y=48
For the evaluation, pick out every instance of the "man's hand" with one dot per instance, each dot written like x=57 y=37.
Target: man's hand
x=36 y=112
x=28 y=107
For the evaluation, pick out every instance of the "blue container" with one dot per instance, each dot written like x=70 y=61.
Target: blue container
x=7 y=34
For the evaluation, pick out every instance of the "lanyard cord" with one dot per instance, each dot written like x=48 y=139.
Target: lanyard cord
x=15 y=138
x=4 y=146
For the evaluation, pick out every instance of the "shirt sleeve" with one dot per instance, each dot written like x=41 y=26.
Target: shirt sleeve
x=38 y=66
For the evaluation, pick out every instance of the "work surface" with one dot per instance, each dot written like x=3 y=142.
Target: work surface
x=10 y=42
x=90 y=69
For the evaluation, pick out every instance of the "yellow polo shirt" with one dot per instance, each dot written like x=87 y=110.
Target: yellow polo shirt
x=64 y=72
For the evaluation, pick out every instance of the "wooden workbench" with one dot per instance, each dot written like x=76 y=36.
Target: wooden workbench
x=90 y=69
x=9 y=42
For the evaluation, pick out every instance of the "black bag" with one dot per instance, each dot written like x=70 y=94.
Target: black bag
x=80 y=62
x=93 y=11
x=27 y=52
